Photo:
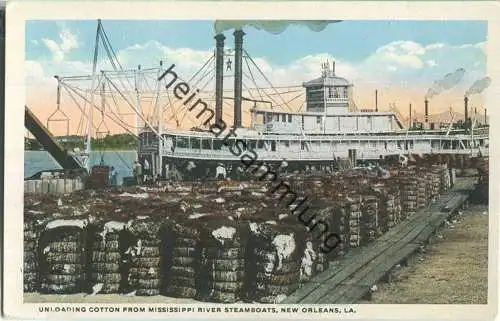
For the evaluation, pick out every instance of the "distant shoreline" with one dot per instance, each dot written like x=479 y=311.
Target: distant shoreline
x=94 y=150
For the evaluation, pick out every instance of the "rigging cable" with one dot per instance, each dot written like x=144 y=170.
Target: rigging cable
x=263 y=75
x=82 y=110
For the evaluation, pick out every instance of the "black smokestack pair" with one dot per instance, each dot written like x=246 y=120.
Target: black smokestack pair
x=426 y=110
x=219 y=76
x=466 y=107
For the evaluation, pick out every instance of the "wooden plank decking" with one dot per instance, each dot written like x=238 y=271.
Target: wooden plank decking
x=350 y=277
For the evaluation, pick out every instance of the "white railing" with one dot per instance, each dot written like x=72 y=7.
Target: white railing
x=314 y=155
x=374 y=136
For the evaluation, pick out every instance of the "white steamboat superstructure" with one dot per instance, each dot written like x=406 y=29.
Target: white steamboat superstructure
x=329 y=130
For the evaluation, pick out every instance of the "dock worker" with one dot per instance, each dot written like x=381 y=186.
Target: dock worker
x=147 y=167
x=113 y=174
x=137 y=171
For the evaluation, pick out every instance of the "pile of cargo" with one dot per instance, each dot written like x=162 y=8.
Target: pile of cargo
x=63 y=255
x=481 y=194
x=99 y=177
x=223 y=242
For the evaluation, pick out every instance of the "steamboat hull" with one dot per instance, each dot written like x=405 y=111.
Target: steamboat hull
x=196 y=169
x=189 y=169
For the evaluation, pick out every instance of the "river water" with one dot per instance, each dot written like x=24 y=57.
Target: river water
x=35 y=161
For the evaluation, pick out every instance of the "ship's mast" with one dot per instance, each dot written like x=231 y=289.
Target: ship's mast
x=137 y=75
x=91 y=107
x=160 y=116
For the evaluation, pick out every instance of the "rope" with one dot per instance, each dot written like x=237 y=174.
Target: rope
x=260 y=71
x=253 y=78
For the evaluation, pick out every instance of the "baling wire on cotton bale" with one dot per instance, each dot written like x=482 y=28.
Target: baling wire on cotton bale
x=275 y=260
x=322 y=218
x=182 y=257
x=428 y=186
x=145 y=275
x=482 y=187
x=445 y=178
x=421 y=190
x=222 y=272
x=370 y=228
x=409 y=191
x=33 y=226
x=390 y=196
x=62 y=252
x=108 y=260
x=436 y=182
x=352 y=205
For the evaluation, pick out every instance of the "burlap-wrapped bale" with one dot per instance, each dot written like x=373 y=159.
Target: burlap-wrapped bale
x=63 y=256
x=324 y=218
x=108 y=261
x=409 y=187
x=33 y=226
x=274 y=261
x=421 y=190
x=145 y=273
x=436 y=182
x=482 y=187
x=182 y=253
x=222 y=268
x=370 y=228
x=353 y=208
x=385 y=206
x=445 y=178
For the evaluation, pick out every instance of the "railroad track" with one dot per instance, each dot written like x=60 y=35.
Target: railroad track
x=350 y=278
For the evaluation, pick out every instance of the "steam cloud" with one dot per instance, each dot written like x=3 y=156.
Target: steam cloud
x=271 y=26
x=478 y=86
x=449 y=81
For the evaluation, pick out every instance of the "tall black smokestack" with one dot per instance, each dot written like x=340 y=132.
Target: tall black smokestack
x=238 y=47
x=466 y=106
x=485 y=119
x=376 y=100
x=426 y=110
x=409 y=121
x=219 y=76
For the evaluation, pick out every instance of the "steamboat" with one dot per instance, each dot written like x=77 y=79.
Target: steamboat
x=330 y=130
x=328 y=133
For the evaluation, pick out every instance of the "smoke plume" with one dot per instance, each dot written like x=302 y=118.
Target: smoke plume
x=478 y=86
x=447 y=82
x=271 y=26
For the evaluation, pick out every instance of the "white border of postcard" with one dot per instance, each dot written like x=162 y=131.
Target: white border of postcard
x=18 y=12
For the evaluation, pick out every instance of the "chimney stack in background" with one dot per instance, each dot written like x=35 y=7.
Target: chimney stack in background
x=466 y=107
x=409 y=120
x=426 y=119
x=376 y=100
x=219 y=76
x=485 y=118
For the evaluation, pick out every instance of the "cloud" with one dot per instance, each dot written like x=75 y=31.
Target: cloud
x=399 y=63
x=431 y=63
x=68 y=42
x=35 y=74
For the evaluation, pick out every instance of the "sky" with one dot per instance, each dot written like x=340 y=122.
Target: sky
x=401 y=59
